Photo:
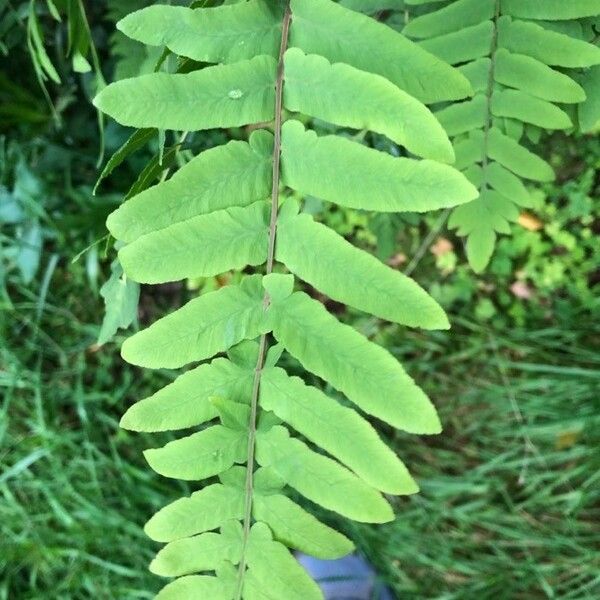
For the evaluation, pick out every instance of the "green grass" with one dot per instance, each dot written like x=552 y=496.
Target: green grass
x=73 y=487
x=510 y=502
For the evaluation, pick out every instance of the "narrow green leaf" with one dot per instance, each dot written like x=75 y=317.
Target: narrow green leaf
x=200 y=553
x=480 y=247
x=37 y=48
x=551 y=9
x=454 y=17
x=507 y=184
x=200 y=455
x=352 y=276
x=137 y=140
x=279 y=286
x=366 y=373
x=220 y=96
x=221 y=319
x=580 y=30
x=534 y=77
x=461 y=46
x=520 y=105
x=234 y=415
x=186 y=402
x=236 y=174
x=349 y=97
x=320 y=479
x=516 y=158
x=464 y=116
x=514 y=128
x=203 y=246
x=154 y=169
x=469 y=150
x=245 y=354
x=203 y=511
x=274 y=353
x=549 y=47
x=339 y=170
x=223 y=34
x=53 y=10
x=298 y=529
x=236 y=477
x=337 y=429
x=478 y=73
x=341 y=35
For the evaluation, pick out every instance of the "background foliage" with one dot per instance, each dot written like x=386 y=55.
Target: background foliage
x=509 y=502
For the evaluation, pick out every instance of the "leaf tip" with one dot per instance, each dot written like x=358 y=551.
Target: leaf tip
x=130 y=352
x=112 y=223
x=434 y=426
x=154 y=531
x=427 y=422
x=152 y=456
x=471 y=192
x=129 y=24
x=127 y=421
x=444 y=322
x=129 y=257
x=387 y=514
x=447 y=154
x=161 y=567
x=97 y=100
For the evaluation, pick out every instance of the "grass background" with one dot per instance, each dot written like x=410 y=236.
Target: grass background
x=510 y=500
x=509 y=508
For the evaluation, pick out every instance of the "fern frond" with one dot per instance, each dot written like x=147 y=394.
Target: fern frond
x=512 y=52
x=317 y=60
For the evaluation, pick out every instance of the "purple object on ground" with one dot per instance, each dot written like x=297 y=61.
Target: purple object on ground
x=349 y=578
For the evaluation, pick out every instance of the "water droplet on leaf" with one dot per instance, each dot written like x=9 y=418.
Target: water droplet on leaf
x=235 y=94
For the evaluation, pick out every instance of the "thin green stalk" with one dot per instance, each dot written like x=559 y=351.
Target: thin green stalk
x=249 y=486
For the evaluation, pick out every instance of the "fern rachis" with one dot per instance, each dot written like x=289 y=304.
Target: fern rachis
x=262 y=344
x=223 y=222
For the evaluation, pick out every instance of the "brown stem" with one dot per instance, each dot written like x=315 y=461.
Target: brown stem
x=262 y=349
